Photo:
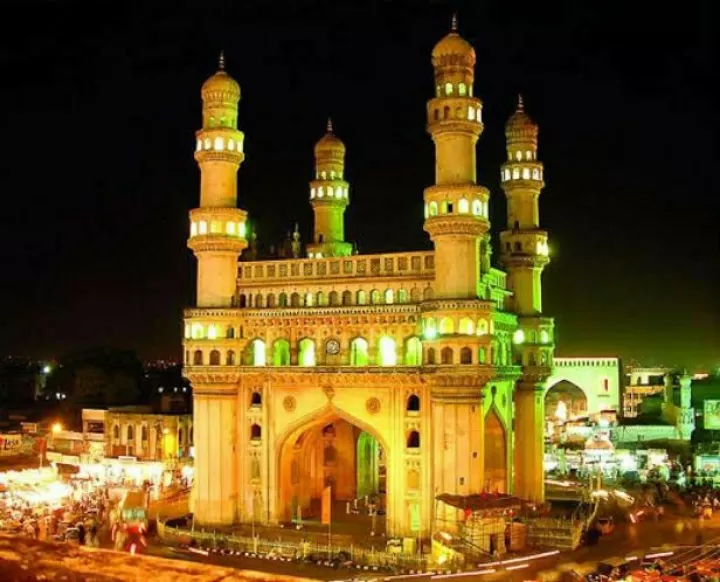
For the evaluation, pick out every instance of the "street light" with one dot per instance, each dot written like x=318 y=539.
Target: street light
x=56 y=428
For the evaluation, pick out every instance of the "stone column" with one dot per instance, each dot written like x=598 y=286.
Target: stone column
x=529 y=441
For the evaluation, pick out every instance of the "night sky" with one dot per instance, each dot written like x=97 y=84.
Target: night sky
x=97 y=172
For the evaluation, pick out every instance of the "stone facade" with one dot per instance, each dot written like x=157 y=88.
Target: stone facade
x=391 y=375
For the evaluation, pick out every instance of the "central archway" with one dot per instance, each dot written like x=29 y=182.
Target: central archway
x=495 y=453
x=565 y=401
x=331 y=450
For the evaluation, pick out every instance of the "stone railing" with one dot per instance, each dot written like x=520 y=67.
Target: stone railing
x=414 y=264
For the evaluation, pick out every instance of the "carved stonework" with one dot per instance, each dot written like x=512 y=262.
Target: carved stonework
x=289 y=403
x=373 y=405
x=329 y=392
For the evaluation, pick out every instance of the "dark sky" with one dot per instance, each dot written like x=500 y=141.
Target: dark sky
x=97 y=174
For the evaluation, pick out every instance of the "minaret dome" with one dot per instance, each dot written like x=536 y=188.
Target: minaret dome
x=520 y=128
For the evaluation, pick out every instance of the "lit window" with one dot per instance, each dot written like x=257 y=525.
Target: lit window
x=219 y=144
x=448 y=89
x=389 y=296
x=311 y=255
x=230 y=228
x=193 y=228
x=330 y=192
x=427 y=213
x=318 y=256
x=202 y=228
x=196 y=331
x=306 y=355
x=462 y=89
x=482 y=327
x=258 y=352
x=478 y=114
x=212 y=332
x=323 y=175
x=447 y=326
x=309 y=296
x=519 y=337
x=544 y=336
x=477 y=208
x=215 y=227
x=463 y=206
x=312 y=193
x=332 y=174
x=208 y=143
x=518 y=156
x=347 y=191
x=240 y=146
x=516 y=173
x=433 y=208
x=528 y=155
x=430 y=329
x=320 y=192
x=526 y=173
x=471 y=114
x=359 y=352
x=187 y=331
x=198 y=146
x=466 y=327
x=241 y=229
x=388 y=351
x=536 y=174
x=507 y=174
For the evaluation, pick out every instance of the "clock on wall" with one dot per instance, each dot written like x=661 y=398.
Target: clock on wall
x=332 y=347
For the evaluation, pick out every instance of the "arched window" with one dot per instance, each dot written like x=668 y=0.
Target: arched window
x=465 y=355
x=359 y=352
x=413 y=440
x=374 y=297
x=361 y=297
x=242 y=300
x=463 y=206
x=516 y=173
x=446 y=356
x=144 y=432
x=536 y=174
x=413 y=403
x=462 y=89
x=447 y=326
x=448 y=89
x=413 y=352
x=431 y=356
x=446 y=111
x=271 y=300
x=427 y=293
x=433 y=208
x=130 y=432
x=481 y=355
x=482 y=327
x=306 y=352
x=256 y=399
x=281 y=352
x=187 y=357
x=214 y=358
x=415 y=295
x=282 y=301
x=295 y=300
x=429 y=328
x=230 y=332
x=477 y=208
x=257 y=352
x=255 y=432
x=526 y=173
x=334 y=298
x=258 y=300
x=180 y=436
x=389 y=296
x=321 y=300
x=402 y=296
x=466 y=327
x=387 y=351
x=230 y=358
x=198 y=358
x=347 y=298
x=309 y=299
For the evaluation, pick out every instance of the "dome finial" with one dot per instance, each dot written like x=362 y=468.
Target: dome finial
x=520 y=104
x=454 y=23
x=329 y=125
x=221 y=61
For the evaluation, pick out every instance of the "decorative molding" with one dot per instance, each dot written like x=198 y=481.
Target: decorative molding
x=373 y=405
x=289 y=403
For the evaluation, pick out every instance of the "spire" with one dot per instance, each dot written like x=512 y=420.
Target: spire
x=329 y=125
x=520 y=105
x=221 y=61
x=454 y=23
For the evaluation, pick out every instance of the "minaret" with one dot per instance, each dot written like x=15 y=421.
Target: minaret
x=217 y=227
x=524 y=253
x=329 y=197
x=456 y=208
x=217 y=237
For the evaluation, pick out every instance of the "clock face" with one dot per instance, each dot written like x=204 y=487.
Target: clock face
x=332 y=347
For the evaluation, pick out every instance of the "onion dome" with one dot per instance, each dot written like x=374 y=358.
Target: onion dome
x=221 y=86
x=329 y=145
x=453 y=49
x=520 y=126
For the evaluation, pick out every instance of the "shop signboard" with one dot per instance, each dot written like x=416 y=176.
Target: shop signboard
x=711 y=411
x=10 y=444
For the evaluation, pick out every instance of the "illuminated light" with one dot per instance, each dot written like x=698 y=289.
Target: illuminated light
x=516 y=173
x=196 y=331
x=219 y=144
x=477 y=208
x=433 y=208
x=198 y=146
x=526 y=173
x=660 y=555
x=388 y=351
x=463 y=206
x=359 y=352
x=319 y=256
x=467 y=326
x=427 y=212
x=215 y=227
x=47 y=369
x=478 y=114
x=518 y=156
x=536 y=174
x=462 y=89
x=202 y=227
x=241 y=229
x=258 y=352
x=188 y=331
x=507 y=174
x=518 y=567
x=448 y=89
x=56 y=428
x=320 y=192
x=446 y=326
x=312 y=192
x=430 y=331
x=231 y=144
x=330 y=192
x=471 y=114
x=544 y=336
x=208 y=143
x=347 y=192
x=230 y=228
x=519 y=337
x=306 y=357
x=212 y=332
x=193 y=229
